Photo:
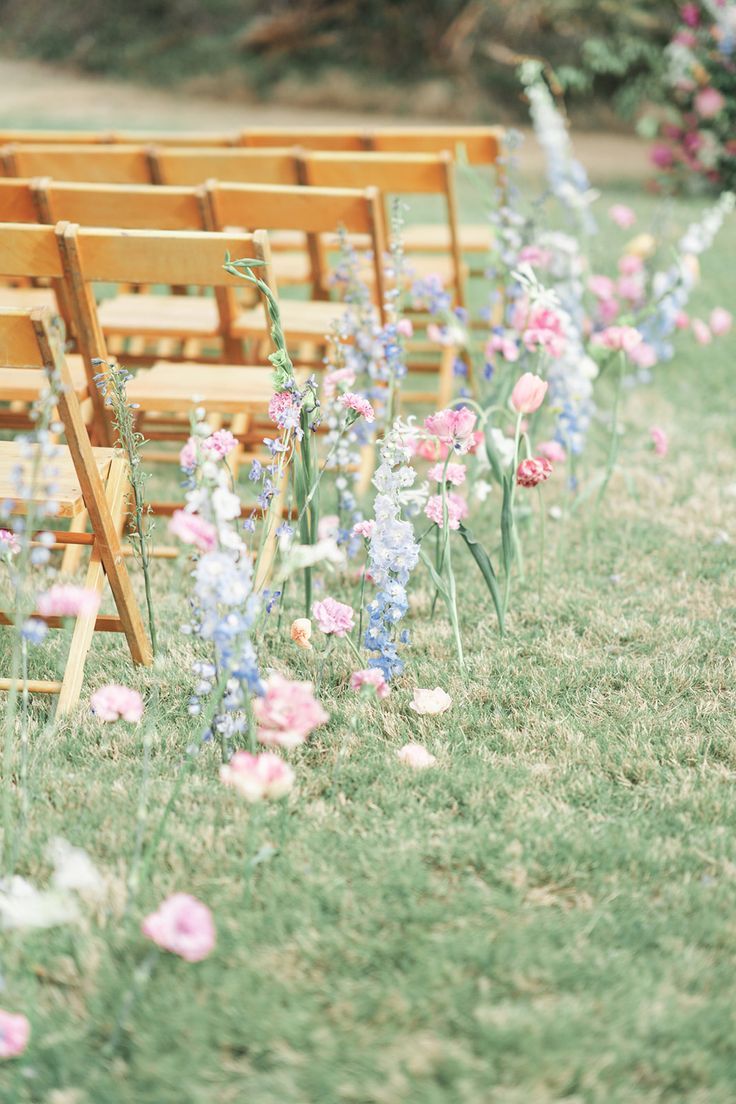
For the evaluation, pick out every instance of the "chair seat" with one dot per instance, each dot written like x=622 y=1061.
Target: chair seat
x=24 y=384
x=226 y=388
x=67 y=491
x=301 y=320
x=435 y=237
x=159 y=316
x=26 y=297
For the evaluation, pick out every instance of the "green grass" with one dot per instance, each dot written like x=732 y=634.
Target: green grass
x=545 y=916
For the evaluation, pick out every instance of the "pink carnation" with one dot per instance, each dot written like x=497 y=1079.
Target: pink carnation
x=9 y=542
x=182 y=925
x=659 y=440
x=188 y=455
x=112 y=703
x=332 y=379
x=287 y=712
x=455 y=474
x=622 y=215
x=618 y=338
x=193 y=529
x=67 y=600
x=333 y=618
x=371 y=676
x=283 y=409
x=257 y=777
x=601 y=286
x=709 y=102
x=220 y=443
x=364 y=528
x=535 y=255
x=15 y=1031
x=452 y=427
x=544 y=331
x=552 y=451
x=534 y=471
x=351 y=401
x=506 y=346
x=630 y=264
x=457 y=510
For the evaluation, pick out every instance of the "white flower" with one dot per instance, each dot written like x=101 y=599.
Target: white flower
x=481 y=490
x=23 y=907
x=74 y=869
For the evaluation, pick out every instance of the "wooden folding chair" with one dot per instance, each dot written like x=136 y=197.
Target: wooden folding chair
x=89 y=479
x=318 y=138
x=398 y=174
x=113 y=137
x=89 y=163
x=182 y=166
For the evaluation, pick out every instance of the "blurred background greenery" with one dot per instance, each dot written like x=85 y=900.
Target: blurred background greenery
x=445 y=58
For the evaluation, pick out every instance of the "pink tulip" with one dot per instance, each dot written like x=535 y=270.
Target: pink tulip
x=371 y=677
x=415 y=756
x=333 y=618
x=532 y=472
x=257 y=777
x=15 y=1031
x=528 y=394
x=287 y=712
x=721 y=321
x=659 y=440
x=552 y=451
x=114 y=703
x=430 y=702
x=193 y=529
x=622 y=215
x=182 y=925
x=453 y=427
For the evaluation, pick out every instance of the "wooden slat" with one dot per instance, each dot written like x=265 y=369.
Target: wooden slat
x=29 y=251
x=320 y=138
x=408 y=173
x=103 y=622
x=34 y=686
x=16 y=201
x=143 y=207
x=311 y=210
x=115 y=164
x=228 y=389
x=480 y=145
x=256 y=166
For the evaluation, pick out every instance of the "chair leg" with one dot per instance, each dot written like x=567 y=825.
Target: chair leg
x=80 y=643
x=367 y=467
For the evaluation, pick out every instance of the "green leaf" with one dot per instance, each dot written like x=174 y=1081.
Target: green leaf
x=485 y=567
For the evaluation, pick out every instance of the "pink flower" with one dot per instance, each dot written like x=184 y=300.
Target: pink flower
x=332 y=379
x=188 y=455
x=690 y=14
x=15 y=1031
x=416 y=756
x=644 y=355
x=438 y=334
x=351 y=401
x=528 y=394
x=608 y=310
x=662 y=156
x=283 y=409
x=220 y=443
x=455 y=474
x=112 y=703
x=453 y=427
x=721 y=321
x=257 y=777
x=618 y=338
x=333 y=618
x=701 y=332
x=193 y=529
x=9 y=542
x=457 y=510
x=532 y=472
x=601 y=286
x=328 y=527
x=300 y=632
x=405 y=327
x=371 y=676
x=630 y=264
x=552 y=451
x=534 y=255
x=364 y=528
x=429 y=702
x=709 y=102
x=682 y=321
x=67 y=600
x=506 y=346
x=287 y=712
x=622 y=215
x=659 y=440
x=630 y=288
x=182 y=925
x=544 y=331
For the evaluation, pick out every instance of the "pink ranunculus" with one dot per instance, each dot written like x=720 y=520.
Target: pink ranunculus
x=67 y=600
x=287 y=712
x=601 y=286
x=528 y=394
x=662 y=156
x=501 y=343
x=15 y=1031
x=552 y=451
x=629 y=264
x=193 y=529
x=659 y=440
x=182 y=925
x=532 y=472
x=188 y=455
x=644 y=355
x=328 y=527
x=453 y=427
x=618 y=338
x=622 y=215
x=332 y=379
x=364 y=528
x=360 y=405
x=300 y=632
x=457 y=510
x=415 y=756
x=371 y=676
x=544 y=331
x=701 y=331
x=220 y=443
x=455 y=474
x=721 y=321
x=709 y=102
x=430 y=702
x=9 y=542
x=333 y=618
x=405 y=327
x=263 y=777
x=113 y=703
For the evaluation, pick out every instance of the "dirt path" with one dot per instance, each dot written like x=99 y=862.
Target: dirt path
x=32 y=94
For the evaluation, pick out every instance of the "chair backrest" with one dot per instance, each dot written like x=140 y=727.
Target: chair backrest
x=319 y=138
x=125 y=137
x=314 y=211
x=128 y=206
x=394 y=174
x=17 y=202
x=89 y=163
x=188 y=167
x=479 y=145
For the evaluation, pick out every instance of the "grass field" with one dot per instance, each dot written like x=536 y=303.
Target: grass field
x=547 y=915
